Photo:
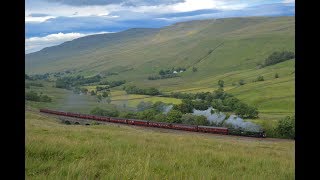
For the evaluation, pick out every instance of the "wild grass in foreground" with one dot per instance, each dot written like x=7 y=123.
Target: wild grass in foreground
x=58 y=151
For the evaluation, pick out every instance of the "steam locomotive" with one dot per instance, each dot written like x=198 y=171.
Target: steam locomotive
x=194 y=128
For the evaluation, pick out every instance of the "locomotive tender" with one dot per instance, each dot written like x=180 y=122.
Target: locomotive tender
x=185 y=127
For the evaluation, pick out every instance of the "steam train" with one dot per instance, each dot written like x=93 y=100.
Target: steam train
x=185 y=127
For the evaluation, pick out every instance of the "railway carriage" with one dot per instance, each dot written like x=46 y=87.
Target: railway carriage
x=118 y=120
x=210 y=129
x=159 y=124
x=184 y=127
x=137 y=122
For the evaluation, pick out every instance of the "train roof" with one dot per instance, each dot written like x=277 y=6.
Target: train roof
x=137 y=120
x=213 y=127
x=159 y=122
x=183 y=124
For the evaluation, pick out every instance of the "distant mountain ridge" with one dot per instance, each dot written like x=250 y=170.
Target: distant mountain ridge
x=182 y=43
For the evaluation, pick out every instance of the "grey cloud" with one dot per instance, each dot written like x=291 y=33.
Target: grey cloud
x=123 y=2
x=38 y=15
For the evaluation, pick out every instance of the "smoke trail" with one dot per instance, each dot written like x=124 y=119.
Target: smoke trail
x=166 y=109
x=237 y=123
x=215 y=117
x=233 y=121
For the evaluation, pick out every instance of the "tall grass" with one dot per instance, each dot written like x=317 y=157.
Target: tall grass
x=58 y=151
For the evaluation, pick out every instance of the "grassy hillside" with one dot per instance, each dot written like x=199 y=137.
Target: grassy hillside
x=58 y=151
x=244 y=41
x=238 y=45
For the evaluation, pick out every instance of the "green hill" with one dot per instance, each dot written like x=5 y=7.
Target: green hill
x=245 y=41
x=229 y=49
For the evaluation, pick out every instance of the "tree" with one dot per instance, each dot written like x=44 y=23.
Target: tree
x=105 y=112
x=202 y=120
x=194 y=69
x=276 y=75
x=148 y=114
x=144 y=106
x=219 y=94
x=221 y=83
x=162 y=72
x=160 y=117
x=194 y=119
x=286 y=127
x=99 y=97
x=277 y=57
x=93 y=93
x=45 y=98
x=241 y=82
x=32 y=96
x=84 y=90
x=260 y=78
x=152 y=91
x=60 y=83
x=109 y=100
x=105 y=94
x=174 y=116
x=185 y=107
x=201 y=105
x=159 y=106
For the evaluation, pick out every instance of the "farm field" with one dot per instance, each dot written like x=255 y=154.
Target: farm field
x=58 y=151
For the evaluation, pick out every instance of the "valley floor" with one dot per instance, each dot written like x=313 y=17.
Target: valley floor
x=58 y=151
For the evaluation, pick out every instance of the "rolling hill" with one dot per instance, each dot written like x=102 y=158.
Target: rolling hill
x=229 y=49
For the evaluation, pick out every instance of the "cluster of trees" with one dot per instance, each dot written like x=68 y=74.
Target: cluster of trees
x=219 y=100
x=167 y=73
x=112 y=84
x=154 y=112
x=170 y=71
x=27 y=85
x=259 y=78
x=102 y=88
x=68 y=82
x=27 y=77
x=194 y=69
x=37 y=77
x=286 y=127
x=111 y=73
x=166 y=76
x=148 y=91
x=241 y=82
x=277 y=57
x=79 y=90
x=33 y=96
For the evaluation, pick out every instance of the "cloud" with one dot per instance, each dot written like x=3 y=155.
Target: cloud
x=47 y=17
x=37 y=43
x=38 y=15
x=288 y=1
x=37 y=19
x=122 y=2
x=260 y=10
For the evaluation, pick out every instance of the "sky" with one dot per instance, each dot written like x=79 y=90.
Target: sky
x=52 y=22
